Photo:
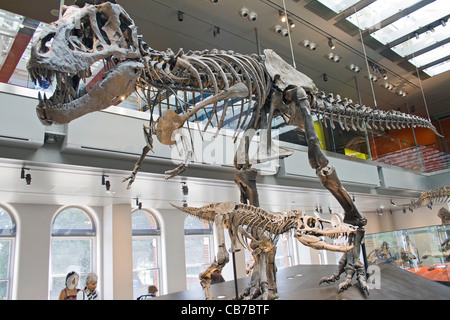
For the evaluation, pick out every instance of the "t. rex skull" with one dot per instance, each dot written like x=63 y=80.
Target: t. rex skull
x=67 y=49
x=310 y=232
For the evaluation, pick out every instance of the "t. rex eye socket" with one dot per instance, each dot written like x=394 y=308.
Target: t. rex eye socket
x=46 y=43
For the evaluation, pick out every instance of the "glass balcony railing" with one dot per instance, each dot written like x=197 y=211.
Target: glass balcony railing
x=416 y=149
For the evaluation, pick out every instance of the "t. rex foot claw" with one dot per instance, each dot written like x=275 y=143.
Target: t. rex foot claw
x=131 y=178
x=344 y=285
x=329 y=279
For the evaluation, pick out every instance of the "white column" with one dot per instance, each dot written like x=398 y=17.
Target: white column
x=117 y=253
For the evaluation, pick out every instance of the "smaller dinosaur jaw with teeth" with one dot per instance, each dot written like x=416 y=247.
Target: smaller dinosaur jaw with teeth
x=71 y=101
x=311 y=233
x=318 y=243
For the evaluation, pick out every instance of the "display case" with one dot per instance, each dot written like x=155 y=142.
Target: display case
x=424 y=251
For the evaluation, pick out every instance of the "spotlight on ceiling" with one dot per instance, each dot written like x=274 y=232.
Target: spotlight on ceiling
x=283 y=17
x=277 y=29
x=331 y=44
x=27 y=176
x=252 y=16
x=180 y=16
x=388 y=86
x=401 y=93
x=285 y=32
x=333 y=57
x=214 y=1
x=354 y=68
x=392 y=202
x=244 y=12
x=373 y=78
x=325 y=77
x=291 y=23
x=309 y=44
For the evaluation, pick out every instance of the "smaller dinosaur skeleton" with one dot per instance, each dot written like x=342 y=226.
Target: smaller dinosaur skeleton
x=439 y=195
x=258 y=230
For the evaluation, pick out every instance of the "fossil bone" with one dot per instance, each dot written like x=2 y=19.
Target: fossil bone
x=258 y=231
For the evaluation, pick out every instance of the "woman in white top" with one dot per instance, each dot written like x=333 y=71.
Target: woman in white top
x=90 y=291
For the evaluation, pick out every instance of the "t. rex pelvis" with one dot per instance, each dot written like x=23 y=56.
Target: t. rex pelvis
x=67 y=48
x=259 y=230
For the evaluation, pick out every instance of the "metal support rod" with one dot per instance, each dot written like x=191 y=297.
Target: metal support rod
x=416 y=145
x=61 y=4
x=258 y=46
x=366 y=135
x=235 y=276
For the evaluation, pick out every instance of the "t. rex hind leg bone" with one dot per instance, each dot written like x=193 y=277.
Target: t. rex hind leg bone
x=219 y=263
x=297 y=97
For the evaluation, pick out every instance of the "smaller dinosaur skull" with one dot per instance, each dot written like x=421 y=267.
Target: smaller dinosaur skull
x=310 y=232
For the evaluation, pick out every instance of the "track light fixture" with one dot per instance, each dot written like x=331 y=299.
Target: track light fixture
x=325 y=77
x=216 y=31
x=443 y=22
x=138 y=204
x=331 y=44
x=184 y=188
x=291 y=23
x=283 y=17
x=180 y=16
x=379 y=70
x=106 y=183
x=27 y=176
x=392 y=202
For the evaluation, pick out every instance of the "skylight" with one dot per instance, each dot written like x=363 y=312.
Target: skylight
x=431 y=56
x=424 y=41
x=417 y=19
x=378 y=11
x=338 y=5
x=438 y=69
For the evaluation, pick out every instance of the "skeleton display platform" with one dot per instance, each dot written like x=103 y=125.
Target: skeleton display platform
x=302 y=283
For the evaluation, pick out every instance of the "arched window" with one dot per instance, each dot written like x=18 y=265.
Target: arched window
x=199 y=249
x=146 y=252
x=72 y=248
x=7 y=237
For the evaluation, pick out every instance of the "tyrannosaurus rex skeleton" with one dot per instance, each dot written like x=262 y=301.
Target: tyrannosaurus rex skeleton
x=67 y=48
x=248 y=224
